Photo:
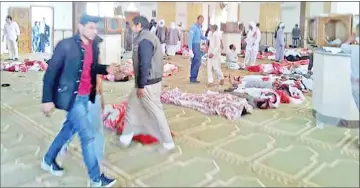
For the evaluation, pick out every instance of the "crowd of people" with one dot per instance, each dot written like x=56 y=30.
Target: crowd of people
x=72 y=83
x=40 y=36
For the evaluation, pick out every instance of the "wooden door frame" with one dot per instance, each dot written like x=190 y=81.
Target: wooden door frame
x=52 y=27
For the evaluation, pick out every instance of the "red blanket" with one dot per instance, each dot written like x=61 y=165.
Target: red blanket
x=114 y=119
x=28 y=65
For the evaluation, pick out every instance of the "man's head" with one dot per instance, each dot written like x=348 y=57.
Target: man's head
x=88 y=26
x=8 y=19
x=252 y=25
x=36 y=23
x=213 y=28
x=139 y=23
x=296 y=25
x=282 y=25
x=258 y=25
x=44 y=19
x=200 y=20
x=232 y=47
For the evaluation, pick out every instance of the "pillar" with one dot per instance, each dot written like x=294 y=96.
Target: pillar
x=232 y=12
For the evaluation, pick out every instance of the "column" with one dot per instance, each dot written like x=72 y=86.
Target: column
x=232 y=12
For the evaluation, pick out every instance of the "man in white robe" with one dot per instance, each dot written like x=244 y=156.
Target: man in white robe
x=214 y=56
x=252 y=45
x=11 y=34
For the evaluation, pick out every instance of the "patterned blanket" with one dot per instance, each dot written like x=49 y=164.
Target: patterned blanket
x=223 y=104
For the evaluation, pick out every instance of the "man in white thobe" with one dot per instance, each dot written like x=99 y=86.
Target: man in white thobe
x=252 y=45
x=12 y=34
x=214 y=56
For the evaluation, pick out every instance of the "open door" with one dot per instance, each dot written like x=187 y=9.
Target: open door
x=22 y=17
x=42 y=29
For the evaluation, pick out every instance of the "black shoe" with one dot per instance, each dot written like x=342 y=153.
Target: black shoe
x=104 y=182
x=16 y=59
x=53 y=168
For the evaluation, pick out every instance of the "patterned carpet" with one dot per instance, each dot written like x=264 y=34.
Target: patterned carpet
x=267 y=148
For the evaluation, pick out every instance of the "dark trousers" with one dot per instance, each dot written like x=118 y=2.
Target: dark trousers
x=195 y=62
x=42 y=43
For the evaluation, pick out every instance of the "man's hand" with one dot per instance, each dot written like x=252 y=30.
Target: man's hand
x=140 y=93
x=48 y=108
x=352 y=38
x=211 y=55
x=113 y=68
x=191 y=53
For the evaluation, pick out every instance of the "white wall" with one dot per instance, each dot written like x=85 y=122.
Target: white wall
x=345 y=7
x=249 y=11
x=316 y=8
x=62 y=12
x=290 y=14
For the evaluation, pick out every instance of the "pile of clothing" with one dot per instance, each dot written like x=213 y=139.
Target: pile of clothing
x=223 y=104
x=114 y=119
x=268 y=91
x=169 y=69
x=287 y=67
x=184 y=50
x=257 y=97
x=264 y=55
x=127 y=72
x=27 y=65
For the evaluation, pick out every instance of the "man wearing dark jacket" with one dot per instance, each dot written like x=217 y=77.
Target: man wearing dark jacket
x=69 y=84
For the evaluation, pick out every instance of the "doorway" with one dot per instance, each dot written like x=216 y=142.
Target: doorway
x=42 y=29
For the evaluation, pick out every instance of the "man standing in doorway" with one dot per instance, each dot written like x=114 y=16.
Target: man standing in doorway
x=194 y=40
x=144 y=111
x=12 y=34
x=44 y=32
x=69 y=84
x=296 y=36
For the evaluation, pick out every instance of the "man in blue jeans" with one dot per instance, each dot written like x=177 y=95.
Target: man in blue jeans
x=69 y=84
x=194 y=40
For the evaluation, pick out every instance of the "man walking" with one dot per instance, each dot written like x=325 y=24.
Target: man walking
x=69 y=84
x=12 y=34
x=44 y=33
x=144 y=111
x=194 y=40
x=296 y=36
